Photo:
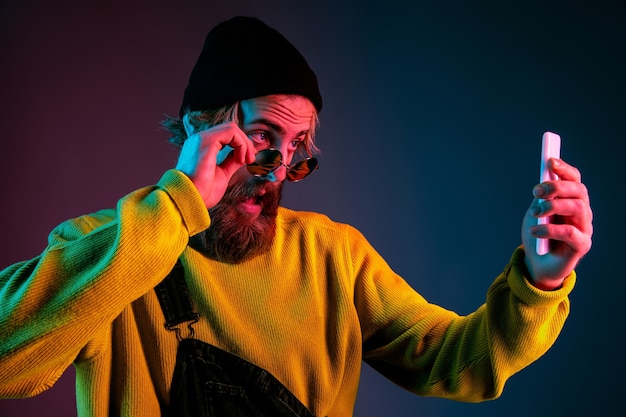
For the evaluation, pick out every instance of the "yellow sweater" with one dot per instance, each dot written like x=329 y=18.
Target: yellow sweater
x=308 y=311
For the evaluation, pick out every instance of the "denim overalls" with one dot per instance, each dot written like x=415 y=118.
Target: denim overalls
x=210 y=382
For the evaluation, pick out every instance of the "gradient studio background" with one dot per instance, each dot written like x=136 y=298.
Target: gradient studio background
x=430 y=134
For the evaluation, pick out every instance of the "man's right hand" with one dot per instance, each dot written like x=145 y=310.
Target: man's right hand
x=201 y=152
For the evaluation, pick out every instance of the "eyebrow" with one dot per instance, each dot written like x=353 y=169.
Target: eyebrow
x=276 y=127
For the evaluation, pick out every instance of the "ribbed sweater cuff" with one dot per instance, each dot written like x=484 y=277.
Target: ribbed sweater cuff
x=187 y=199
x=519 y=282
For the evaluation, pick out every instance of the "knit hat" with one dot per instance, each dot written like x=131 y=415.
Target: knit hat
x=243 y=58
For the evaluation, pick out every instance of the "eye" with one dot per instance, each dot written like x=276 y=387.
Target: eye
x=297 y=143
x=260 y=138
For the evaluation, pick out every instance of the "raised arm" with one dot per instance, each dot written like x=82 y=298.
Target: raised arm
x=94 y=266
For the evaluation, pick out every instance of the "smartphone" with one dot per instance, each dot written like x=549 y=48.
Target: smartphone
x=550 y=148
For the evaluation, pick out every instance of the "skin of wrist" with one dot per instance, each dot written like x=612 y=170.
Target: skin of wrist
x=549 y=285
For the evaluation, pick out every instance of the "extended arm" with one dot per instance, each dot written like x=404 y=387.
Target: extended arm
x=435 y=352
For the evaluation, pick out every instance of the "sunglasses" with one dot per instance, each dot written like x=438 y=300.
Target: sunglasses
x=269 y=160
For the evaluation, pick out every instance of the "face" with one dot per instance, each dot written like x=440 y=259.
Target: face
x=243 y=222
x=281 y=122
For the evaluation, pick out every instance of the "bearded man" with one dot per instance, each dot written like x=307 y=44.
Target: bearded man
x=202 y=296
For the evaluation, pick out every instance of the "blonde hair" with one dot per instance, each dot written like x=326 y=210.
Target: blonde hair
x=204 y=119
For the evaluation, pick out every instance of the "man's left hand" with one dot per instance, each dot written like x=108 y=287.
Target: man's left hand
x=569 y=231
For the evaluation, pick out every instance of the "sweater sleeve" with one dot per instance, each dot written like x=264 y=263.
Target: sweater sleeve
x=435 y=352
x=92 y=268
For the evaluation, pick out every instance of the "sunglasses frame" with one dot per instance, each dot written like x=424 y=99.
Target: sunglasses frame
x=310 y=162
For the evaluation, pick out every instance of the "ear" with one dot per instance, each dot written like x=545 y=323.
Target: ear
x=189 y=129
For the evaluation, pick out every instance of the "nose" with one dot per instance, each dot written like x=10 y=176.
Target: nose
x=278 y=175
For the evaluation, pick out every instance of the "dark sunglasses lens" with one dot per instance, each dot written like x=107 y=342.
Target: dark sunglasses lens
x=301 y=169
x=265 y=162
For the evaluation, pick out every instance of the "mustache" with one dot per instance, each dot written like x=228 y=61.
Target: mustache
x=259 y=189
x=233 y=236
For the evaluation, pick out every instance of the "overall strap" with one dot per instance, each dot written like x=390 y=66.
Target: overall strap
x=209 y=381
x=175 y=301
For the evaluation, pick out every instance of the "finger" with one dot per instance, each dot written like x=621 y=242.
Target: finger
x=564 y=170
x=242 y=151
x=566 y=207
x=568 y=234
x=569 y=211
x=244 y=148
x=561 y=189
x=228 y=139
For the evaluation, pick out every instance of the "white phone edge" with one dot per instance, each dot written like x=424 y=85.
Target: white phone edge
x=550 y=148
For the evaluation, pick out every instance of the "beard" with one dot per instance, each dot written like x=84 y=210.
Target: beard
x=236 y=236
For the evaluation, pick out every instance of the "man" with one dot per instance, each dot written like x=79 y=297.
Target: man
x=264 y=311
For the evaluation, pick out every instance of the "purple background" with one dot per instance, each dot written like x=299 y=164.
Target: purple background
x=430 y=136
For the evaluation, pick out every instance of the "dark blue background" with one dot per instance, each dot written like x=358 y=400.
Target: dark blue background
x=430 y=135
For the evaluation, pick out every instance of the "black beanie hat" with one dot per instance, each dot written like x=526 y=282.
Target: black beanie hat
x=243 y=58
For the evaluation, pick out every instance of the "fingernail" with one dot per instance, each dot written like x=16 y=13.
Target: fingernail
x=536 y=210
x=537 y=231
x=556 y=163
x=539 y=191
